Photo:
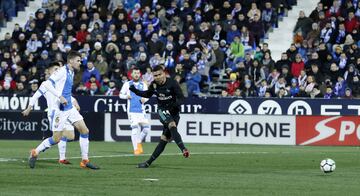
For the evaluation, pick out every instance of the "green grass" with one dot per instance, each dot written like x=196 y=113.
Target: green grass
x=250 y=170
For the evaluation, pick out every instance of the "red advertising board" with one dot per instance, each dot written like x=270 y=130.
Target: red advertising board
x=328 y=130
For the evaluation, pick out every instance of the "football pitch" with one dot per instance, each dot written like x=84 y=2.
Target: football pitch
x=212 y=169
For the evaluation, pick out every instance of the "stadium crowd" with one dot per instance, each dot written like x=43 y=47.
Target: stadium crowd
x=212 y=48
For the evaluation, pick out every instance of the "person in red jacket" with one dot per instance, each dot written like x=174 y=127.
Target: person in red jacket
x=351 y=22
x=82 y=33
x=297 y=65
x=233 y=84
x=8 y=82
x=92 y=79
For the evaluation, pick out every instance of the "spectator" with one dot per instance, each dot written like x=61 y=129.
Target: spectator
x=94 y=89
x=297 y=66
x=348 y=94
x=303 y=24
x=280 y=83
x=101 y=65
x=148 y=76
x=33 y=44
x=224 y=93
x=253 y=12
x=282 y=93
x=309 y=86
x=268 y=63
x=8 y=83
x=269 y=16
x=319 y=77
x=294 y=88
x=89 y=72
x=20 y=89
x=117 y=66
x=193 y=79
x=340 y=86
x=262 y=88
x=329 y=93
x=313 y=35
x=237 y=50
x=82 y=34
x=351 y=22
x=248 y=90
x=256 y=72
x=233 y=84
x=257 y=28
x=34 y=85
x=92 y=80
x=232 y=33
x=81 y=90
x=354 y=85
x=44 y=61
x=315 y=13
x=283 y=61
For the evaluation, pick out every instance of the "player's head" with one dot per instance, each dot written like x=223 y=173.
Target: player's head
x=74 y=59
x=159 y=74
x=135 y=74
x=53 y=67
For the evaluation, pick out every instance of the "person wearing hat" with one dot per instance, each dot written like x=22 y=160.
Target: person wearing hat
x=294 y=88
x=44 y=61
x=233 y=84
x=34 y=85
x=97 y=50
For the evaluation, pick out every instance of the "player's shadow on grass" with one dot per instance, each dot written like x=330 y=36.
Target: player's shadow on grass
x=114 y=152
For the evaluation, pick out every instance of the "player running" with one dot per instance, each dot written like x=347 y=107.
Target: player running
x=60 y=84
x=169 y=97
x=68 y=132
x=135 y=110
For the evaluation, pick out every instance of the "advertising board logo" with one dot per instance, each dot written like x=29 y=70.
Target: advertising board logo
x=322 y=130
x=269 y=107
x=240 y=107
x=299 y=108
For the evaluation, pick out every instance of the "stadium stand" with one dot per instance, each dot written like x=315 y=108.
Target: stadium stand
x=213 y=48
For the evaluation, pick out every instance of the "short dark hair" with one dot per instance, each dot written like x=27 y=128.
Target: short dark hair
x=73 y=54
x=158 y=68
x=55 y=63
x=135 y=68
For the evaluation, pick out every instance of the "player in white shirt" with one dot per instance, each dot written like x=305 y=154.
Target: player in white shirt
x=60 y=84
x=68 y=133
x=135 y=110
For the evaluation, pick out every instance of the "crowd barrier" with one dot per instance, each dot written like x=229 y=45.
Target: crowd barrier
x=203 y=128
x=208 y=105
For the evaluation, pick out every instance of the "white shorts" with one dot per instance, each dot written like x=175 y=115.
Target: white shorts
x=68 y=126
x=138 y=118
x=62 y=120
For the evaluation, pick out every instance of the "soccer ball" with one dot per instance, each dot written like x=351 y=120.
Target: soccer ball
x=327 y=165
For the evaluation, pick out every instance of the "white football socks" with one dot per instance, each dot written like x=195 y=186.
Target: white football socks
x=45 y=144
x=62 y=148
x=144 y=132
x=84 y=146
x=134 y=136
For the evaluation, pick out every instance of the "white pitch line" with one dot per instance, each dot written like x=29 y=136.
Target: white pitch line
x=132 y=155
x=150 y=179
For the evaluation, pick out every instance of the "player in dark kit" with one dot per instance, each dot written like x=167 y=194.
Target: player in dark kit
x=169 y=98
